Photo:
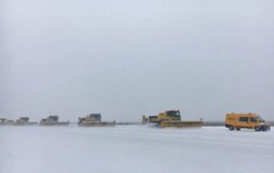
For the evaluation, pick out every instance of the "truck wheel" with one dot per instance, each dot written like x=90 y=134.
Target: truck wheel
x=257 y=129
x=231 y=128
x=238 y=129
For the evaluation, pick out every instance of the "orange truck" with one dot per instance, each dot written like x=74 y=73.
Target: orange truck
x=249 y=121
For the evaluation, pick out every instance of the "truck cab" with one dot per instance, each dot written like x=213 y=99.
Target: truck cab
x=249 y=121
x=170 y=115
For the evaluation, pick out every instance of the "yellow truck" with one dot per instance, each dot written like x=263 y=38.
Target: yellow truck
x=94 y=120
x=53 y=120
x=24 y=121
x=248 y=121
x=170 y=118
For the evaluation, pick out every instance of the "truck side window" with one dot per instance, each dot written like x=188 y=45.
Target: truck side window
x=253 y=120
x=243 y=119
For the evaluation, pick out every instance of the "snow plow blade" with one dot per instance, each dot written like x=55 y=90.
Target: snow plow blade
x=62 y=123
x=25 y=123
x=96 y=124
x=181 y=124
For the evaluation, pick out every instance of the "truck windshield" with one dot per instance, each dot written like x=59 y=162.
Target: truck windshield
x=259 y=119
x=173 y=113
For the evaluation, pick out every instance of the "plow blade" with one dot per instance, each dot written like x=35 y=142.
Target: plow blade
x=181 y=124
x=62 y=123
x=96 y=124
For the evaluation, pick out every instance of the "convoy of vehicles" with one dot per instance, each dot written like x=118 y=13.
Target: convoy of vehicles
x=169 y=118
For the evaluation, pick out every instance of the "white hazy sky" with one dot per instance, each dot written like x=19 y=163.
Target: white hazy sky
x=128 y=58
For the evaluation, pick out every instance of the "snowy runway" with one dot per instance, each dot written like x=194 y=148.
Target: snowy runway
x=134 y=149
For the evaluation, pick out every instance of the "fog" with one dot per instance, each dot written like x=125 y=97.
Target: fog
x=129 y=58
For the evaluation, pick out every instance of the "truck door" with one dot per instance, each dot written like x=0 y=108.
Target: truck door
x=243 y=122
x=253 y=122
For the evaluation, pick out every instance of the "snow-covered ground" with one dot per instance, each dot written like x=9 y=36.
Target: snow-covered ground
x=137 y=149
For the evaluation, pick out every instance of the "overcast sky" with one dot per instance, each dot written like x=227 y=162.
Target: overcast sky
x=128 y=58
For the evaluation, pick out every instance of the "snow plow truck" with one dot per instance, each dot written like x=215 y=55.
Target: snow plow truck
x=93 y=120
x=170 y=118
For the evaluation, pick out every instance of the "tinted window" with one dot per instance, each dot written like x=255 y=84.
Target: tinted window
x=243 y=119
x=173 y=113
x=253 y=120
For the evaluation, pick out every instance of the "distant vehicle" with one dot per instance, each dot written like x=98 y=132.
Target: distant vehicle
x=10 y=122
x=247 y=121
x=170 y=118
x=24 y=121
x=94 y=119
x=52 y=120
x=3 y=121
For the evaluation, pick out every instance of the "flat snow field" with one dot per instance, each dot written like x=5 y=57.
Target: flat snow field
x=137 y=149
